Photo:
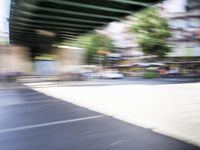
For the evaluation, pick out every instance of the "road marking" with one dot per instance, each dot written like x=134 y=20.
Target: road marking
x=17 y=93
x=33 y=102
x=117 y=142
x=49 y=124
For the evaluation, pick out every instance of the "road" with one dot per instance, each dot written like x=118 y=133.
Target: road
x=31 y=120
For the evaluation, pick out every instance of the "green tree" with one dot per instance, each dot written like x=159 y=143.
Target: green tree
x=93 y=43
x=152 y=32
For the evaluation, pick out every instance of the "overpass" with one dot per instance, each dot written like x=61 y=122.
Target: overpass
x=35 y=23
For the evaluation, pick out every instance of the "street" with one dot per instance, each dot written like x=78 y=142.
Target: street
x=100 y=75
x=32 y=120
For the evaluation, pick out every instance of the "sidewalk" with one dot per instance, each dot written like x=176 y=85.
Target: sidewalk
x=170 y=109
x=106 y=82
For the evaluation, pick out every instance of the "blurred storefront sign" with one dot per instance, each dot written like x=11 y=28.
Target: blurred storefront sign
x=102 y=52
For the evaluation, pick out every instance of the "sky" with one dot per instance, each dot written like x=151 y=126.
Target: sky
x=4 y=8
x=4 y=13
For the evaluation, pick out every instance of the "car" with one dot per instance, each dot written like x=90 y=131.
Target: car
x=111 y=75
x=92 y=75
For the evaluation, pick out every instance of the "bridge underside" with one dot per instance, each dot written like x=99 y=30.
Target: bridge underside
x=41 y=23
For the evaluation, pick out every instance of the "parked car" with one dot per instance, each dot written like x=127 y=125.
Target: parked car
x=111 y=75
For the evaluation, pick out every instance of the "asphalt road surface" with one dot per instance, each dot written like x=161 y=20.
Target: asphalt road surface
x=33 y=121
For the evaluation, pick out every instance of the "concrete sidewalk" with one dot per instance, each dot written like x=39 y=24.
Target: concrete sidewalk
x=170 y=109
x=106 y=82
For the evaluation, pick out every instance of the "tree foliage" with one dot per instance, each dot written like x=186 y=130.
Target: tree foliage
x=92 y=43
x=152 y=32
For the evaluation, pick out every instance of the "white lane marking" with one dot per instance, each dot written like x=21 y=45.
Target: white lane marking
x=19 y=94
x=49 y=124
x=117 y=142
x=29 y=102
x=40 y=83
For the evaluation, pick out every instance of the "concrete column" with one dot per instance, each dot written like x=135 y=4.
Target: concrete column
x=14 y=58
x=69 y=57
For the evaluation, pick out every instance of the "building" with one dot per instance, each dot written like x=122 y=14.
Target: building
x=185 y=28
x=184 y=23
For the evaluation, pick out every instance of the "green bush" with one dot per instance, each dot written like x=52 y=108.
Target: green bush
x=150 y=75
